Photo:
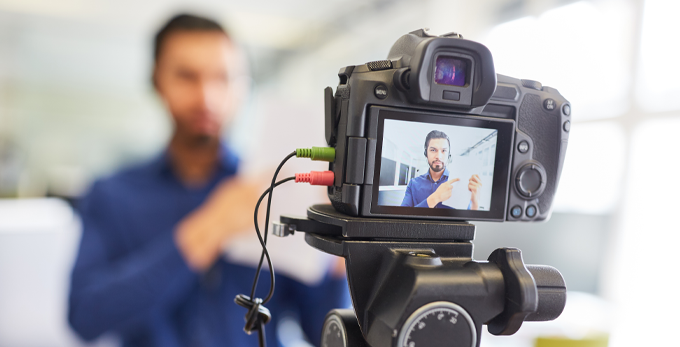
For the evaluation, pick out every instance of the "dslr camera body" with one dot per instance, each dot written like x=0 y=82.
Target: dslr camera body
x=511 y=133
x=426 y=141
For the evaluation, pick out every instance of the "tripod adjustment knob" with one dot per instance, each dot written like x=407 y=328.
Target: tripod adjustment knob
x=552 y=293
x=437 y=324
x=341 y=329
x=521 y=294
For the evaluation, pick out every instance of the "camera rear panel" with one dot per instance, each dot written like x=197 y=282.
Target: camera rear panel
x=528 y=159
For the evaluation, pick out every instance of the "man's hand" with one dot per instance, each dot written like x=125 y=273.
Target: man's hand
x=442 y=193
x=475 y=186
x=200 y=236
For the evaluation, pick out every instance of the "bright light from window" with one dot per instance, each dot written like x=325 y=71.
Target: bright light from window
x=581 y=49
x=644 y=268
x=592 y=173
x=658 y=86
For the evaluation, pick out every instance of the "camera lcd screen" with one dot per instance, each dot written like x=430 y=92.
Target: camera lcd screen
x=450 y=71
x=441 y=166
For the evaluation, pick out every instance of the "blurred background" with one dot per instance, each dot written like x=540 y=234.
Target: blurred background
x=76 y=103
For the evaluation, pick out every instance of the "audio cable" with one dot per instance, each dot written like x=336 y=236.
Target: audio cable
x=258 y=315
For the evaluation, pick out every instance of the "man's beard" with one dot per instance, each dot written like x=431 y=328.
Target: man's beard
x=202 y=140
x=441 y=168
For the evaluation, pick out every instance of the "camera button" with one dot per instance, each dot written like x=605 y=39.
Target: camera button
x=380 y=91
x=549 y=104
x=523 y=147
x=516 y=211
x=531 y=211
x=449 y=95
x=530 y=180
x=566 y=109
x=566 y=126
x=532 y=84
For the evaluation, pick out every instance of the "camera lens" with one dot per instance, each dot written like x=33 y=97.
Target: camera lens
x=531 y=211
x=516 y=212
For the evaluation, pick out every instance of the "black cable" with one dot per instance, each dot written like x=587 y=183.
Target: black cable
x=258 y=315
x=263 y=242
x=266 y=228
x=261 y=335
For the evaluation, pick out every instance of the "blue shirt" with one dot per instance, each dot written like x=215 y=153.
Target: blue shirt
x=129 y=277
x=421 y=187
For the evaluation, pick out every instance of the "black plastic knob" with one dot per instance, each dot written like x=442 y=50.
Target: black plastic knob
x=379 y=65
x=552 y=292
x=341 y=329
x=532 y=84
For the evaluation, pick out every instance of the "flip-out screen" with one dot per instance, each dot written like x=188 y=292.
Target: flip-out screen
x=441 y=165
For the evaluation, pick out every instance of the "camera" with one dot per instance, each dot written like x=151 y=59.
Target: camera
x=500 y=141
x=424 y=142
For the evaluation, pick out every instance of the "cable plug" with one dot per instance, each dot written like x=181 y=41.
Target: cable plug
x=316 y=178
x=317 y=153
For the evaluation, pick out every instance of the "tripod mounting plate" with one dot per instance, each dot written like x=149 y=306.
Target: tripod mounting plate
x=339 y=224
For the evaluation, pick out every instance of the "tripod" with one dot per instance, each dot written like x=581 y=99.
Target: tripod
x=414 y=282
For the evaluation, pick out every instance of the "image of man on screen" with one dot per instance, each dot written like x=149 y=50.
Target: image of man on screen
x=434 y=187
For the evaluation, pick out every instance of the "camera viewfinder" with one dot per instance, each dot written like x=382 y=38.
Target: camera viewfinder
x=450 y=71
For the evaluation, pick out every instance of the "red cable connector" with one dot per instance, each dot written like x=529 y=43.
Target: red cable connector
x=316 y=178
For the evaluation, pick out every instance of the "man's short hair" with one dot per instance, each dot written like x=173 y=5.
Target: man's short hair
x=184 y=22
x=436 y=134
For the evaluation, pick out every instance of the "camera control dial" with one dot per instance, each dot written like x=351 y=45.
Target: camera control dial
x=439 y=323
x=530 y=180
x=532 y=84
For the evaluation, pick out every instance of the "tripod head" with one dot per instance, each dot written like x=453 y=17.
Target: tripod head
x=414 y=282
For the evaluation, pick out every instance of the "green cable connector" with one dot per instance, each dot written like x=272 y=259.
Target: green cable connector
x=316 y=153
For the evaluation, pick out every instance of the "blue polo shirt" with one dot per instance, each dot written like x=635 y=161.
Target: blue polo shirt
x=130 y=279
x=421 y=187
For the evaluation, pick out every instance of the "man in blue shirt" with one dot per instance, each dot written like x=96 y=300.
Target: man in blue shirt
x=149 y=267
x=431 y=189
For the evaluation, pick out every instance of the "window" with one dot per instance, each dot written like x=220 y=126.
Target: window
x=659 y=70
x=587 y=62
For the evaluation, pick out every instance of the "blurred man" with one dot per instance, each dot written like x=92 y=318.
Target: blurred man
x=431 y=189
x=149 y=267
